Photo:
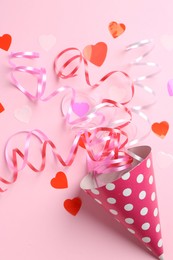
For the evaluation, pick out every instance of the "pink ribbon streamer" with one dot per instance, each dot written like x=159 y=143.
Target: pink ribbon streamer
x=40 y=73
x=112 y=153
x=80 y=58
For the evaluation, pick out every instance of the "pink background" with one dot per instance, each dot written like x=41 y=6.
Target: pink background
x=33 y=222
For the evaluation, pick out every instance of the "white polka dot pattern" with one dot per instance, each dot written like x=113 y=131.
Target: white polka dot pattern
x=113 y=211
x=132 y=201
x=151 y=179
x=128 y=207
x=94 y=191
x=144 y=211
x=148 y=163
x=156 y=212
x=127 y=192
x=131 y=230
x=129 y=220
x=140 y=178
x=111 y=200
x=142 y=195
x=153 y=196
x=126 y=176
x=146 y=239
x=160 y=243
x=146 y=226
x=110 y=186
x=158 y=228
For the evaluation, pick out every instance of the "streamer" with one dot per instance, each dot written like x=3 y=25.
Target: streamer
x=140 y=81
x=40 y=73
x=112 y=144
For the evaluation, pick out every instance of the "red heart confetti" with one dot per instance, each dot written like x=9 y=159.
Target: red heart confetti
x=160 y=129
x=73 y=205
x=5 y=42
x=1 y=108
x=60 y=181
x=81 y=143
x=96 y=54
x=116 y=29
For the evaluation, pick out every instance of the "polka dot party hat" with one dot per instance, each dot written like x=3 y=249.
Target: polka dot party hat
x=131 y=199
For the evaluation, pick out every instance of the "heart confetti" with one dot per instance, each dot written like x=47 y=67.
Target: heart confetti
x=164 y=160
x=160 y=129
x=5 y=42
x=1 y=108
x=47 y=41
x=81 y=143
x=73 y=205
x=116 y=29
x=80 y=109
x=96 y=54
x=170 y=87
x=23 y=114
x=60 y=181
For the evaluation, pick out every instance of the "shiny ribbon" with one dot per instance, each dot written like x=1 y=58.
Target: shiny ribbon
x=40 y=73
x=105 y=145
x=111 y=139
x=110 y=156
x=140 y=81
x=138 y=61
x=73 y=73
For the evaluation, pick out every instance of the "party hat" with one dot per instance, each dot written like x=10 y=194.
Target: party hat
x=131 y=199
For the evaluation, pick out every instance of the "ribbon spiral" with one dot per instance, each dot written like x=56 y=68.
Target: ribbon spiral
x=105 y=144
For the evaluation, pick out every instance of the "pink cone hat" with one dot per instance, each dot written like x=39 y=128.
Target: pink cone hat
x=131 y=199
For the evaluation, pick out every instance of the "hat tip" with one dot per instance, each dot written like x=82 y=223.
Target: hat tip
x=161 y=257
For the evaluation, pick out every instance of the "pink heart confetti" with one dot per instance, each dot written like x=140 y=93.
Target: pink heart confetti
x=80 y=109
x=170 y=87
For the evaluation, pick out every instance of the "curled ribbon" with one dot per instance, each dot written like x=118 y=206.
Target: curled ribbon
x=110 y=140
x=140 y=80
x=111 y=145
x=40 y=73
x=80 y=58
x=111 y=155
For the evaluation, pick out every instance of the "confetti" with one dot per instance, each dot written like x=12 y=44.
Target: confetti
x=160 y=129
x=96 y=54
x=82 y=137
x=60 y=181
x=73 y=205
x=80 y=109
x=5 y=42
x=1 y=108
x=116 y=29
